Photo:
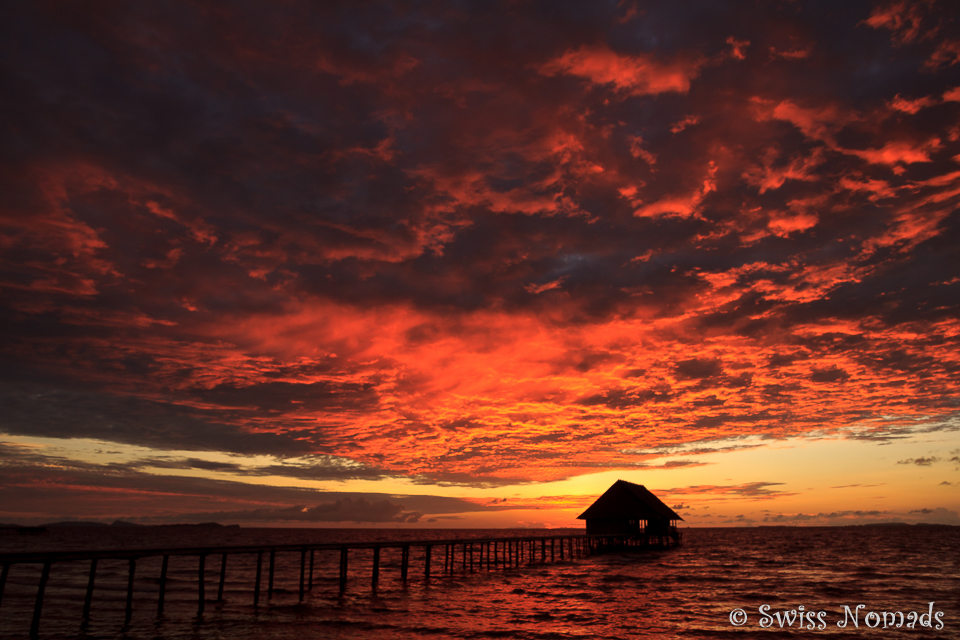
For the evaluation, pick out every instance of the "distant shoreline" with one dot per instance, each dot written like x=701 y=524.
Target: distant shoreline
x=116 y=523
x=11 y=527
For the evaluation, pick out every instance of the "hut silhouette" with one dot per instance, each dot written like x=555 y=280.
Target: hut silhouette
x=630 y=509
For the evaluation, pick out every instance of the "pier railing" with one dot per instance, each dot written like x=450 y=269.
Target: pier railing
x=468 y=554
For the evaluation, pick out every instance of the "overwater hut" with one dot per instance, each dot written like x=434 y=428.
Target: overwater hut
x=629 y=509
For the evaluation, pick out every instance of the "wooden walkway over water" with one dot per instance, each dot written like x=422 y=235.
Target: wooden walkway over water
x=456 y=555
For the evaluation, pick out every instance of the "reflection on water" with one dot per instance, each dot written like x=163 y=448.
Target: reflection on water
x=687 y=592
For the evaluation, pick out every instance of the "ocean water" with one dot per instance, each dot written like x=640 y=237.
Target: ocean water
x=685 y=592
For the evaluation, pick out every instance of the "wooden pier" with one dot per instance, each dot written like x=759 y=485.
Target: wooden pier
x=459 y=556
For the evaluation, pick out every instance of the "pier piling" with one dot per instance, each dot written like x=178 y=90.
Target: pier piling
x=343 y=569
x=506 y=553
x=130 y=573
x=38 y=605
x=201 y=596
x=223 y=577
x=273 y=559
x=303 y=567
x=163 y=586
x=310 y=581
x=3 y=579
x=256 y=585
x=88 y=598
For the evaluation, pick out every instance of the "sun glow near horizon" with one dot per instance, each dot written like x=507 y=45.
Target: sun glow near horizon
x=819 y=480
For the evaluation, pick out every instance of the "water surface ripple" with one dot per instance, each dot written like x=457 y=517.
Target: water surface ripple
x=687 y=592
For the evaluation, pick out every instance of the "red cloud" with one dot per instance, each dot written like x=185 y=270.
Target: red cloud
x=355 y=236
x=911 y=106
x=817 y=123
x=353 y=72
x=688 y=121
x=899 y=152
x=875 y=189
x=683 y=205
x=946 y=54
x=771 y=175
x=783 y=223
x=641 y=74
x=904 y=19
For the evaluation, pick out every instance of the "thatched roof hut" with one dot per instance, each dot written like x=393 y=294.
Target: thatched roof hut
x=629 y=509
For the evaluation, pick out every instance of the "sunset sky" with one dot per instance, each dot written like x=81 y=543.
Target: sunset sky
x=465 y=264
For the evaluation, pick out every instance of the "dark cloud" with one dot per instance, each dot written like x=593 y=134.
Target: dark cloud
x=939 y=515
x=752 y=490
x=696 y=369
x=843 y=514
x=81 y=409
x=829 y=375
x=43 y=488
x=921 y=461
x=344 y=510
x=674 y=464
x=850 y=486
x=189 y=463
x=454 y=479
x=798 y=517
x=666 y=450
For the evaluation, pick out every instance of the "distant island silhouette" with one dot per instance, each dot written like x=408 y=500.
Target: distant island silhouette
x=115 y=523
